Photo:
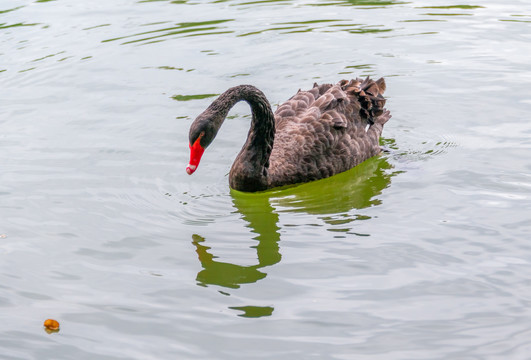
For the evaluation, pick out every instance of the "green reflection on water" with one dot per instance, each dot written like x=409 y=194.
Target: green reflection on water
x=25 y=70
x=264 y=2
x=9 y=10
x=362 y=69
x=446 y=14
x=308 y=22
x=452 y=7
x=48 y=56
x=333 y=198
x=372 y=3
x=423 y=20
x=354 y=189
x=254 y=311
x=184 y=29
x=192 y=97
x=262 y=220
x=329 y=26
x=4 y=26
x=171 y=2
x=517 y=21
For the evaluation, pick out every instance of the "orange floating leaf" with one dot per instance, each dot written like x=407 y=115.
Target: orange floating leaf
x=51 y=325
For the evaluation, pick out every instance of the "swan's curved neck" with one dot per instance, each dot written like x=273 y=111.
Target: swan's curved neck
x=250 y=170
x=251 y=167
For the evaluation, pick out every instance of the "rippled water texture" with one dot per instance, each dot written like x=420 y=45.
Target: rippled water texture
x=420 y=253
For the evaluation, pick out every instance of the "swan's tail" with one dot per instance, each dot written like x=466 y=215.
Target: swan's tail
x=369 y=94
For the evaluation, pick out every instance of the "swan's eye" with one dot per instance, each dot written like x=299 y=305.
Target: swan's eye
x=198 y=138
x=201 y=134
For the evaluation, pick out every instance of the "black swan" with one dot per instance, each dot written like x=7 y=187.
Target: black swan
x=315 y=134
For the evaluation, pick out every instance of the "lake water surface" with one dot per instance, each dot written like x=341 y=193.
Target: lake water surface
x=421 y=253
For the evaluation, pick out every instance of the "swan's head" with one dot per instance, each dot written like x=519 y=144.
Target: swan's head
x=202 y=132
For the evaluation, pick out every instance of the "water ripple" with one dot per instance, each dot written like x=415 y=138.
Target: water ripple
x=184 y=29
x=420 y=253
x=368 y=4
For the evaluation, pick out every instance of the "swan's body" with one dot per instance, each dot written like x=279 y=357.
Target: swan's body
x=316 y=134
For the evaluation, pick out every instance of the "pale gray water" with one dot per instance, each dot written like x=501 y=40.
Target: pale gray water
x=422 y=253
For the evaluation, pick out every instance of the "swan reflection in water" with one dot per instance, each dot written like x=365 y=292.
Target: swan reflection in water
x=355 y=189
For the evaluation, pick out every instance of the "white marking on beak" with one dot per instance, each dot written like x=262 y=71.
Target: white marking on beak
x=190 y=169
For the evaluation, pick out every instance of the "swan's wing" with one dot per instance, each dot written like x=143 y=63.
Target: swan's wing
x=297 y=104
x=340 y=101
x=323 y=131
x=333 y=108
x=368 y=94
x=312 y=104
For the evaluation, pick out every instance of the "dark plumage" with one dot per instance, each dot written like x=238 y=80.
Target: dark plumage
x=315 y=134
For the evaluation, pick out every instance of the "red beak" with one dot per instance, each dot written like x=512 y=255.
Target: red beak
x=196 y=151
